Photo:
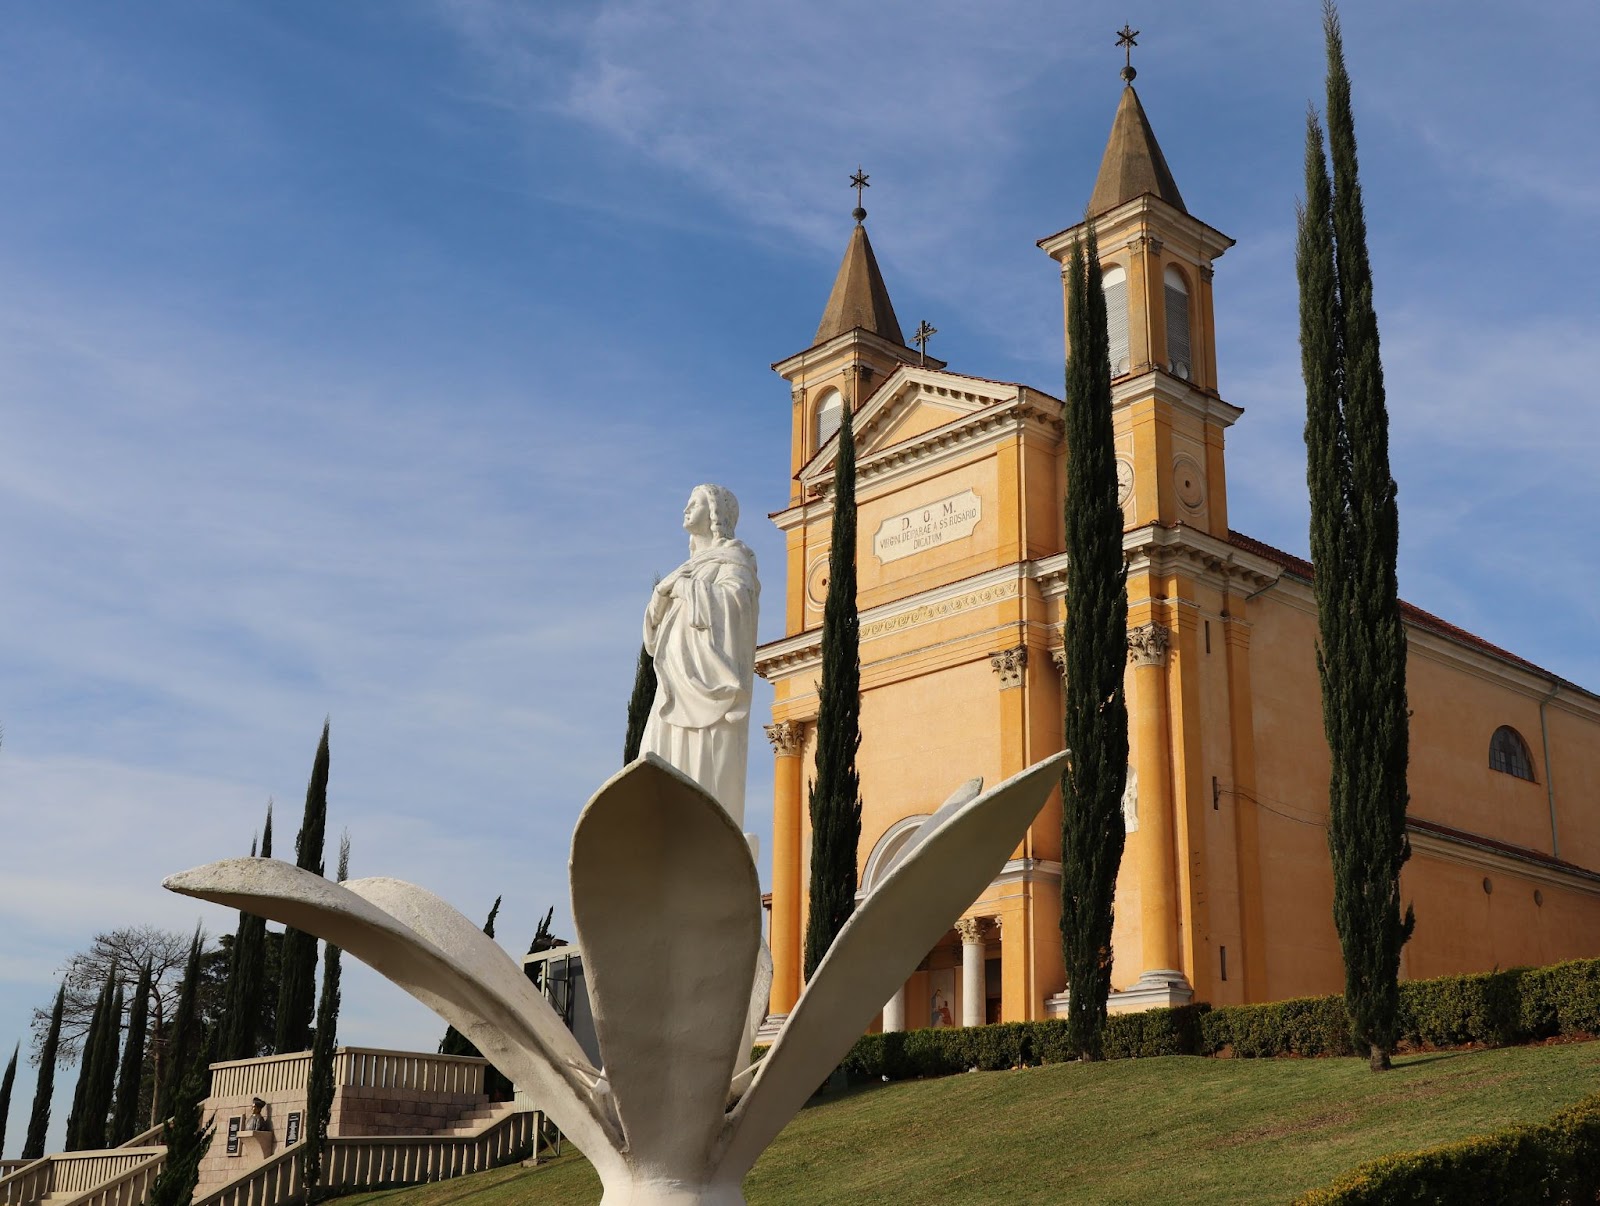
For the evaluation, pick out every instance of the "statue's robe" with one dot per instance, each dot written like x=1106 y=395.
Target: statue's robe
x=704 y=646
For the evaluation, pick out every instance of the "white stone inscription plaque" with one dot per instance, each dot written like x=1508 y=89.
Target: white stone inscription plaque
x=928 y=527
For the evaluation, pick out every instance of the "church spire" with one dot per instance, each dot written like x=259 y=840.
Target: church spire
x=1133 y=164
x=859 y=297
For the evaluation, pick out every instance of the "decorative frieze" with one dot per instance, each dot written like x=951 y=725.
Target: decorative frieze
x=788 y=737
x=1009 y=664
x=1147 y=644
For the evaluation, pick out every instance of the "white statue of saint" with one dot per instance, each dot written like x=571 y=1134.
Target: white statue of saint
x=700 y=628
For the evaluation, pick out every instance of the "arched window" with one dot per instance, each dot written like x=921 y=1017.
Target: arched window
x=1508 y=753
x=1114 y=282
x=830 y=408
x=1177 y=299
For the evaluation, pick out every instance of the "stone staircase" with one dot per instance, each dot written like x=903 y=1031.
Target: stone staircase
x=398 y=1118
x=476 y=1119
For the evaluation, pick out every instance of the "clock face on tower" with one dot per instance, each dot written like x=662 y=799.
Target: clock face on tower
x=1124 y=482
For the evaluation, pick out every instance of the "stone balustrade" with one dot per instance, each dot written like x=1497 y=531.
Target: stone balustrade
x=383 y=1160
x=369 y=1067
x=363 y=1067
x=72 y=1174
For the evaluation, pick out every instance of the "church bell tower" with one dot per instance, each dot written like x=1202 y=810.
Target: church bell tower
x=1169 y=423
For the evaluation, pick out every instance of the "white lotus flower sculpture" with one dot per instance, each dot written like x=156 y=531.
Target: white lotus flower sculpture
x=667 y=908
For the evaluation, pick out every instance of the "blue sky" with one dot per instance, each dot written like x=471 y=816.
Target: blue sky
x=355 y=361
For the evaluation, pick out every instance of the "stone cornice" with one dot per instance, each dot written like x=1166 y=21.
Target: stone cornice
x=1000 y=411
x=802 y=651
x=1149 y=210
x=1176 y=392
x=1465 y=849
x=843 y=342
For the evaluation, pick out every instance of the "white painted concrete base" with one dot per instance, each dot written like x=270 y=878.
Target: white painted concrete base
x=1164 y=988
x=672 y=1193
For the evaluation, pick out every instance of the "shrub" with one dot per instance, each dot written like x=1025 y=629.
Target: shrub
x=1556 y=1161
x=1454 y=1010
x=1561 y=999
x=1308 y=1026
x=1155 y=1032
x=1493 y=1008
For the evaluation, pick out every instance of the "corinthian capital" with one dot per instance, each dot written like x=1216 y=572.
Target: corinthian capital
x=787 y=737
x=1147 y=644
x=1008 y=664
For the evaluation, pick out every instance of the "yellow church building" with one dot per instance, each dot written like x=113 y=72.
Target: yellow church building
x=1225 y=892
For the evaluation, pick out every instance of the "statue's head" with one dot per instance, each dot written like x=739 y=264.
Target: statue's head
x=721 y=506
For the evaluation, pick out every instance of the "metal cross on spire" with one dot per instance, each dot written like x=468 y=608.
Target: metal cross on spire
x=1127 y=39
x=859 y=182
x=920 y=337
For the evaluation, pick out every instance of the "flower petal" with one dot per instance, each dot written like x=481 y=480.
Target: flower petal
x=959 y=799
x=667 y=908
x=440 y=958
x=890 y=932
x=760 y=998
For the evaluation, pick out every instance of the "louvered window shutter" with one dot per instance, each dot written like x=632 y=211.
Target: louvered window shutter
x=1177 y=298
x=1116 y=290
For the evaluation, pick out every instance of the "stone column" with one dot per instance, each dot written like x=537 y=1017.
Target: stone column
x=972 y=971
x=894 y=1011
x=1154 y=838
x=788 y=743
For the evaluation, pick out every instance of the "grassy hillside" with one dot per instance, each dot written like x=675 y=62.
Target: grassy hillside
x=1189 y=1129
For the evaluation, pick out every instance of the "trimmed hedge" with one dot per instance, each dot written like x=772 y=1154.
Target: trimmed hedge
x=1563 y=999
x=1555 y=1161
x=1456 y=1010
x=1493 y=1009
x=1307 y=1026
x=906 y=1054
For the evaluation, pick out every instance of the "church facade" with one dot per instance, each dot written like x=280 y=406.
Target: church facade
x=1225 y=891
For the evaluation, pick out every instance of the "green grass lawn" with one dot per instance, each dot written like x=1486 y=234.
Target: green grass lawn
x=1156 y=1130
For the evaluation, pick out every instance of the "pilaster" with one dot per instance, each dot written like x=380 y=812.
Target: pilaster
x=788 y=739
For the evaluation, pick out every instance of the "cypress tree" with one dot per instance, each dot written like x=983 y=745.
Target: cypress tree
x=183 y=1039
x=242 y=999
x=39 y=1120
x=320 y=1086
x=125 y=1119
x=79 y=1130
x=187 y=1137
x=835 y=794
x=1361 y=656
x=1096 y=640
x=298 y=959
x=639 y=704
x=5 y=1096
x=101 y=1072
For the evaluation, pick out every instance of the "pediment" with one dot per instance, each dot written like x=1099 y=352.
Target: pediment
x=912 y=407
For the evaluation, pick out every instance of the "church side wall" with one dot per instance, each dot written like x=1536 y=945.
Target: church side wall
x=1574 y=776
x=1458 y=699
